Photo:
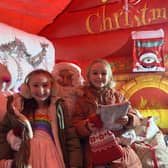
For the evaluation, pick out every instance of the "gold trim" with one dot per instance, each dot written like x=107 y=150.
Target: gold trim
x=148 y=80
x=140 y=82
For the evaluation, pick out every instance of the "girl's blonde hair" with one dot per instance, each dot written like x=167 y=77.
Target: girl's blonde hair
x=111 y=82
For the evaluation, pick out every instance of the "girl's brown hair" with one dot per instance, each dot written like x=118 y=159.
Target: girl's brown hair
x=37 y=72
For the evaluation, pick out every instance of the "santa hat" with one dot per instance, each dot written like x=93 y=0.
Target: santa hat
x=71 y=67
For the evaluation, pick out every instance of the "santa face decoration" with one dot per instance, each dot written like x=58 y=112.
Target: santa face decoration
x=149 y=60
x=148 y=51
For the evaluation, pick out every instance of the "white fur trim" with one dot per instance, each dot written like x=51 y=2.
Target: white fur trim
x=147 y=34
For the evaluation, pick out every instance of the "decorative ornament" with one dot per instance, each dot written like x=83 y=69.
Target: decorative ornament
x=18 y=61
x=149 y=60
x=129 y=6
x=134 y=2
x=148 y=50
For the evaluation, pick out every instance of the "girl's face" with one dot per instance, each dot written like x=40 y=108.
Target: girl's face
x=98 y=75
x=65 y=78
x=40 y=87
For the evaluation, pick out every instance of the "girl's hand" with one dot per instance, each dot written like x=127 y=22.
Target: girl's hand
x=122 y=120
x=13 y=140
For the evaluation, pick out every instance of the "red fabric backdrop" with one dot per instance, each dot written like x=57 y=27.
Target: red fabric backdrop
x=103 y=30
x=32 y=15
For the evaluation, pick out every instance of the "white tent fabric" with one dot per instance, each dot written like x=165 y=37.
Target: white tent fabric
x=22 y=52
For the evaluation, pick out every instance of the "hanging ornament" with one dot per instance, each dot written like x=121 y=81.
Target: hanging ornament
x=134 y=2
x=125 y=5
x=129 y=5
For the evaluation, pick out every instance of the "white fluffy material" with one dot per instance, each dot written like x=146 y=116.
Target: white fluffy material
x=15 y=59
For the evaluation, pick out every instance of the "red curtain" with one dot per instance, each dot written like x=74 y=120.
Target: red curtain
x=31 y=15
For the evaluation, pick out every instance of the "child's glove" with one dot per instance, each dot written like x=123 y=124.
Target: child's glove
x=95 y=120
x=13 y=140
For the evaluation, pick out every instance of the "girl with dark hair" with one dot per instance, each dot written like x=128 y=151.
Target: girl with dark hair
x=36 y=131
